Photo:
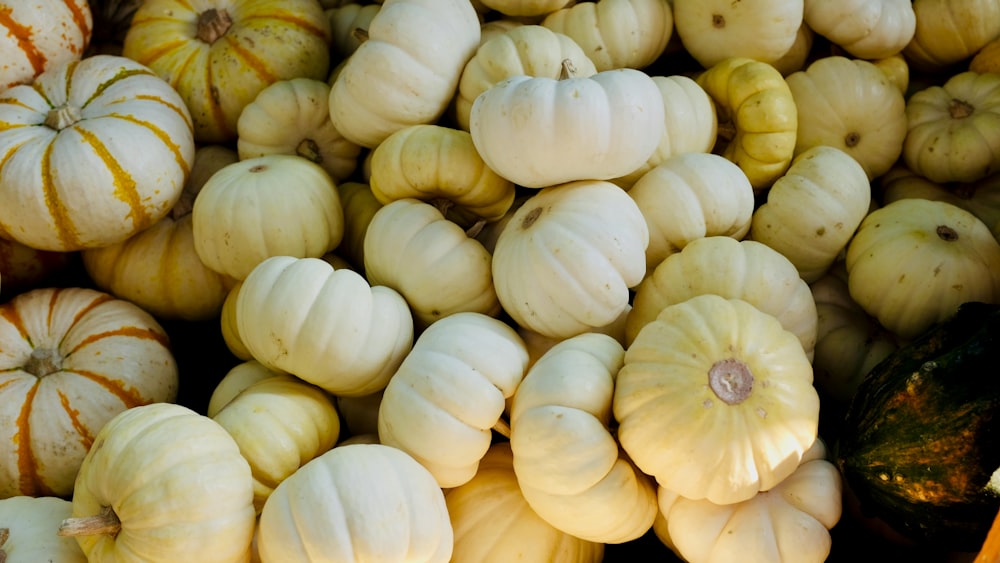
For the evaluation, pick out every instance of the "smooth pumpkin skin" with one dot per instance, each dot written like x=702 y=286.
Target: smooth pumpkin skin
x=31 y=524
x=866 y=30
x=219 y=54
x=949 y=31
x=25 y=52
x=715 y=30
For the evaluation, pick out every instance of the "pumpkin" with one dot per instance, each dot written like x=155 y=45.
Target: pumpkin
x=851 y=105
x=912 y=262
x=218 y=55
x=28 y=527
x=757 y=110
x=360 y=205
x=799 y=53
x=866 y=30
x=328 y=327
x=159 y=268
x=279 y=423
x=291 y=116
x=690 y=196
x=949 y=31
x=690 y=124
x=72 y=359
x=357 y=502
x=617 y=33
x=747 y=270
x=345 y=21
x=529 y=50
x=987 y=58
x=163 y=483
x=406 y=71
x=897 y=69
x=525 y=8
x=565 y=262
x=715 y=400
x=271 y=205
x=432 y=262
x=449 y=392
x=39 y=35
x=439 y=164
x=494 y=524
x=790 y=522
x=228 y=325
x=567 y=462
x=25 y=268
x=237 y=378
x=538 y=344
x=812 y=211
x=715 y=30
x=104 y=114
x=916 y=447
x=952 y=133
x=539 y=131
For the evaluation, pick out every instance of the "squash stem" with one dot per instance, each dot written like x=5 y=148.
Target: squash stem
x=43 y=361
x=62 y=117
x=566 y=69
x=104 y=523
x=213 y=24
x=360 y=34
x=502 y=427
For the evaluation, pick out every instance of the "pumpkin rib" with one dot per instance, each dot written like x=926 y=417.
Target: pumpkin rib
x=160 y=134
x=102 y=87
x=130 y=397
x=28 y=481
x=86 y=438
x=68 y=235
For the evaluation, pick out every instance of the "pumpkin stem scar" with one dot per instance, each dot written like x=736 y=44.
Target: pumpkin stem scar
x=43 y=361
x=566 y=69
x=852 y=139
x=946 y=233
x=4 y=535
x=360 y=33
x=104 y=523
x=475 y=229
x=62 y=117
x=213 y=24
x=718 y=21
x=502 y=427
x=730 y=380
x=309 y=149
x=531 y=217
x=960 y=109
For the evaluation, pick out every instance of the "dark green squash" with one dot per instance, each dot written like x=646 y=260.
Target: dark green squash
x=921 y=437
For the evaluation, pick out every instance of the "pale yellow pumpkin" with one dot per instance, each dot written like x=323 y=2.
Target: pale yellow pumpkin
x=912 y=262
x=431 y=261
x=163 y=484
x=406 y=71
x=229 y=329
x=494 y=524
x=345 y=21
x=715 y=30
x=565 y=262
x=715 y=400
x=360 y=205
x=219 y=54
x=238 y=378
x=106 y=115
x=851 y=105
x=357 y=503
x=799 y=53
x=28 y=531
x=41 y=34
x=953 y=130
x=949 y=31
x=747 y=270
x=450 y=391
x=568 y=464
x=72 y=359
x=790 y=522
x=328 y=327
x=526 y=8
x=812 y=211
x=863 y=28
x=617 y=33
x=271 y=205
x=292 y=116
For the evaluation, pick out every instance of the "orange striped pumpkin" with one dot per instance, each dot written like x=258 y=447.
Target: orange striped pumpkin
x=71 y=359
x=91 y=153
x=36 y=35
x=219 y=54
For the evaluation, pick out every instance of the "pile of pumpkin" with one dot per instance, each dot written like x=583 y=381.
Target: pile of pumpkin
x=497 y=279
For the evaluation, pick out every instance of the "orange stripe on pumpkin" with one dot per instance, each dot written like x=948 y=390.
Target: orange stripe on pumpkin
x=27 y=469
x=80 y=19
x=13 y=316
x=122 y=74
x=251 y=59
x=125 y=190
x=65 y=228
x=130 y=331
x=163 y=137
x=181 y=111
x=22 y=34
x=86 y=438
x=290 y=18
x=129 y=396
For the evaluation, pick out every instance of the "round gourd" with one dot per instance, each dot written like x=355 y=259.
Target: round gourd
x=912 y=262
x=851 y=105
x=757 y=115
x=690 y=196
x=238 y=378
x=529 y=50
x=714 y=30
x=949 y=31
x=292 y=116
x=163 y=483
x=279 y=424
x=541 y=131
x=73 y=359
x=219 y=54
x=230 y=330
x=568 y=464
x=747 y=270
x=448 y=393
x=715 y=400
x=865 y=29
x=360 y=205
x=406 y=71
x=790 y=522
x=953 y=130
x=25 y=52
x=272 y=205
x=617 y=33
x=328 y=327
x=440 y=165
x=525 y=7
x=357 y=503
x=566 y=260
x=107 y=115
x=812 y=211
x=28 y=531
x=345 y=20
x=494 y=524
